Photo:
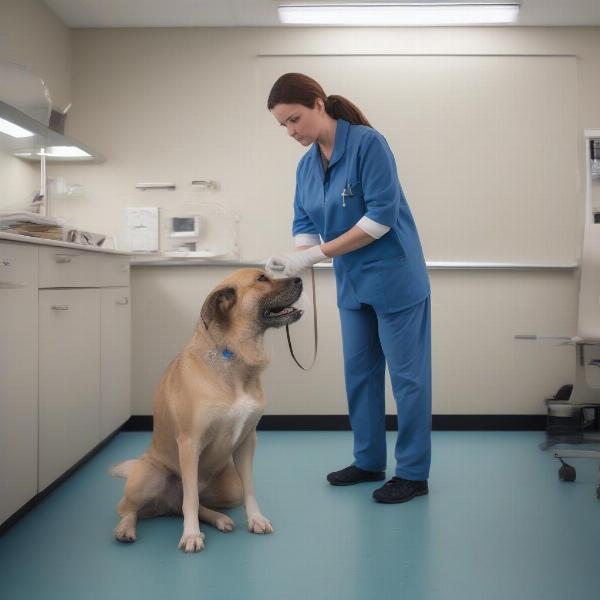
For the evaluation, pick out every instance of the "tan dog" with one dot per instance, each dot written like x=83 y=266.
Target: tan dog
x=207 y=406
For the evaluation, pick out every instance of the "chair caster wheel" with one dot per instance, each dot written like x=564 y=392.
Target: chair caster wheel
x=567 y=473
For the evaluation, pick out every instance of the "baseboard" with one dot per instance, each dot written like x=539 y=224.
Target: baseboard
x=342 y=423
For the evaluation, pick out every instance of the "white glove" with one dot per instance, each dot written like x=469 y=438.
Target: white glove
x=294 y=262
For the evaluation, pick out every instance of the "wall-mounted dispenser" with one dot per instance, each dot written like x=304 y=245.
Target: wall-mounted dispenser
x=592 y=179
x=595 y=157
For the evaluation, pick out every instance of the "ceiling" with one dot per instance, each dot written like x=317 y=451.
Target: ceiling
x=263 y=13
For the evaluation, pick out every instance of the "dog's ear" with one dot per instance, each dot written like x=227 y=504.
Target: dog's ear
x=217 y=306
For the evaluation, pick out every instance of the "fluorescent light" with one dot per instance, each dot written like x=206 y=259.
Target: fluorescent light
x=14 y=130
x=66 y=152
x=57 y=152
x=398 y=14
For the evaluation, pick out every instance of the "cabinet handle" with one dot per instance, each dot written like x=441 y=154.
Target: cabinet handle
x=64 y=258
x=4 y=262
x=123 y=300
x=60 y=307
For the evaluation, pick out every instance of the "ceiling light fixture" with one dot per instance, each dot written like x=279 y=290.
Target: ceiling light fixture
x=55 y=152
x=14 y=130
x=413 y=14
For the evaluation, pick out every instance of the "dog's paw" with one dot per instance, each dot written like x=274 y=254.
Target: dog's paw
x=224 y=523
x=124 y=532
x=192 y=542
x=259 y=524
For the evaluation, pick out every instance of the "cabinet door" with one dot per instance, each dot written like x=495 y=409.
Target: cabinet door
x=18 y=377
x=115 y=349
x=69 y=379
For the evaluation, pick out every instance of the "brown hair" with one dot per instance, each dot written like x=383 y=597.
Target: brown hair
x=296 y=88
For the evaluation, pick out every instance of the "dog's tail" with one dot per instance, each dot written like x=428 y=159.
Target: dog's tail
x=123 y=469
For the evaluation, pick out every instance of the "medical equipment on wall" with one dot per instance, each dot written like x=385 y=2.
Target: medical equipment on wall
x=185 y=227
x=141 y=223
x=592 y=161
x=200 y=230
x=184 y=236
x=595 y=157
x=574 y=412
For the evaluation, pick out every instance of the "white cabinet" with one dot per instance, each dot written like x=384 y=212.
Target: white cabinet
x=69 y=379
x=84 y=355
x=115 y=358
x=18 y=376
x=65 y=342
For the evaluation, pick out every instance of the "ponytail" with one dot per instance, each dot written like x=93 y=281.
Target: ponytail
x=296 y=88
x=339 y=107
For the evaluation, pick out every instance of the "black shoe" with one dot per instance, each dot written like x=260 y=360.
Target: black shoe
x=351 y=475
x=400 y=490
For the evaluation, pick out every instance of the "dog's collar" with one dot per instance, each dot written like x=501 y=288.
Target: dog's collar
x=227 y=354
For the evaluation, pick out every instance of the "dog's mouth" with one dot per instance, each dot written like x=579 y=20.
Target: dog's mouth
x=278 y=312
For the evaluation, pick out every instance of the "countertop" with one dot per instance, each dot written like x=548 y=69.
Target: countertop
x=157 y=260
x=27 y=239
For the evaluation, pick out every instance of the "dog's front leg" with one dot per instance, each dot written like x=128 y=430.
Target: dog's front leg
x=242 y=458
x=192 y=539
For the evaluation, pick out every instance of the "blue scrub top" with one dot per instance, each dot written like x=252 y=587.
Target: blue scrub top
x=390 y=273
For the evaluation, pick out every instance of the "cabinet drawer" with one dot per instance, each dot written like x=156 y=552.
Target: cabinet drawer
x=113 y=271
x=18 y=265
x=65 y=267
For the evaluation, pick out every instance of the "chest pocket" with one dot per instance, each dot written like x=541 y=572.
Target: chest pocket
x=345 y=206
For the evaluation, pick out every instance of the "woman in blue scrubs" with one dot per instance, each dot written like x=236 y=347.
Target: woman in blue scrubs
x=349 y=205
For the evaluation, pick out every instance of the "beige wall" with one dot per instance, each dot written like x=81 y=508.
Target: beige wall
x=176 y=104
x=31 y=35
x=477 y=366
x=180 y=104
x=169 y=104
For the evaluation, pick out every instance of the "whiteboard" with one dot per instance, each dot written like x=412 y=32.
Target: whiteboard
x=485 y=146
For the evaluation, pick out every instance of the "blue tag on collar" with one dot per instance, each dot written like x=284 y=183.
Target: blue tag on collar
x=227 y=354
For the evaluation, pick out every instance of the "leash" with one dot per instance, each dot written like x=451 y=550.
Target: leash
x=287 y=327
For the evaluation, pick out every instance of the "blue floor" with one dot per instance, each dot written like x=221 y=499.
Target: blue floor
x=497 y=524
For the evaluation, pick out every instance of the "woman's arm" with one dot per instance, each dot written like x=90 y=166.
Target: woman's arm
x=305 y=256
x=353 y=239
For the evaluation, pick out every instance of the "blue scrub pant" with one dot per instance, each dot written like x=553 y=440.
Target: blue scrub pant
x=403 y=340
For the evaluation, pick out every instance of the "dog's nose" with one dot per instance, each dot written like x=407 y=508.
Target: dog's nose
x=298 y=281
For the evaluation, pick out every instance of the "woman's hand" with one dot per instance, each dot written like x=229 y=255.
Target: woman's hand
x=291 y=264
